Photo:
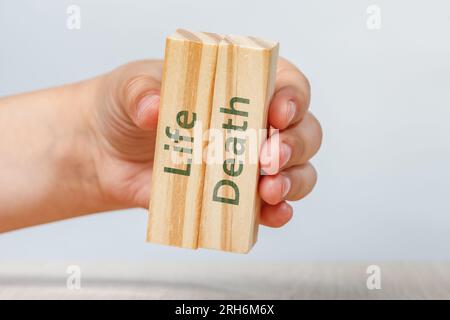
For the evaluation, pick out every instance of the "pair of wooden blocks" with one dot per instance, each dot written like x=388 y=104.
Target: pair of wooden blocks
x=214 y=100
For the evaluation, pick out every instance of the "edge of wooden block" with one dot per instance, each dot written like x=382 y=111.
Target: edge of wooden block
x=251 y=42
x=205 y=38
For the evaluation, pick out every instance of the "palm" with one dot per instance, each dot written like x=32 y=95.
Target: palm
x=126 y=182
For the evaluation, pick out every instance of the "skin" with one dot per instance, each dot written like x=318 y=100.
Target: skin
x=88 y=147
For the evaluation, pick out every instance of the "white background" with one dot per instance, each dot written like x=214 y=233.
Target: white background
x=382 y=96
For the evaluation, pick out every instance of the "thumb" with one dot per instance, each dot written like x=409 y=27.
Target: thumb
x=138 y=92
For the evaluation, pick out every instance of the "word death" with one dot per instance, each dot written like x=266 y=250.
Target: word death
x=232 y=167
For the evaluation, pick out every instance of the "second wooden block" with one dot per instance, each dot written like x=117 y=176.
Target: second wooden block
x=244 y=84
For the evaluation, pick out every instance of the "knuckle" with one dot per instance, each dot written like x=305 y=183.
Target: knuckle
x=314 y=175
x=317 y=126
x=138 y=86
x=307 y=179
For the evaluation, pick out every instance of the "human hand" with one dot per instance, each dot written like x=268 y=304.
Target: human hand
x=123 y=122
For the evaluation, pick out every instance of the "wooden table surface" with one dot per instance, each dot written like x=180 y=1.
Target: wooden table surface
x=407 y=280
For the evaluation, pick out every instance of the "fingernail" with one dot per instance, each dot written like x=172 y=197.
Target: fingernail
x=265 y=155
x=291 y=109
x=145 y=103
x=285 y=154
x=286 y=186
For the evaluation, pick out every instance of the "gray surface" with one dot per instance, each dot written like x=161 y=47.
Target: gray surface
x=228 y=281
x=382 y=96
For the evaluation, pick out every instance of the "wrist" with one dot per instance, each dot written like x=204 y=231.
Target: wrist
x=76 y=153
x=48 y=170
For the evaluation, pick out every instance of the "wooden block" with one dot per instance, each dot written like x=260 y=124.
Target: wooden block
x=244 y=84
x=178 y=171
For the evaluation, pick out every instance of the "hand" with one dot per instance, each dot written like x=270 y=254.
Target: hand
x=124 y=125
x=88 y=147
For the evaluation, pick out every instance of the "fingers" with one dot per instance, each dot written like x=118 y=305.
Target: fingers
x=292 y=184
x=284 y=156
x=304 y=140
x=275 y=216
x=137 y=88
x=291 y=147
x=291 y=98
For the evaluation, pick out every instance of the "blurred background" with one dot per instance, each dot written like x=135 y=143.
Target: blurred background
x=380 y=76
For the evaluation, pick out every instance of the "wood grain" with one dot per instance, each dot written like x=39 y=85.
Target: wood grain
x=177 y=181
x=244 y=84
